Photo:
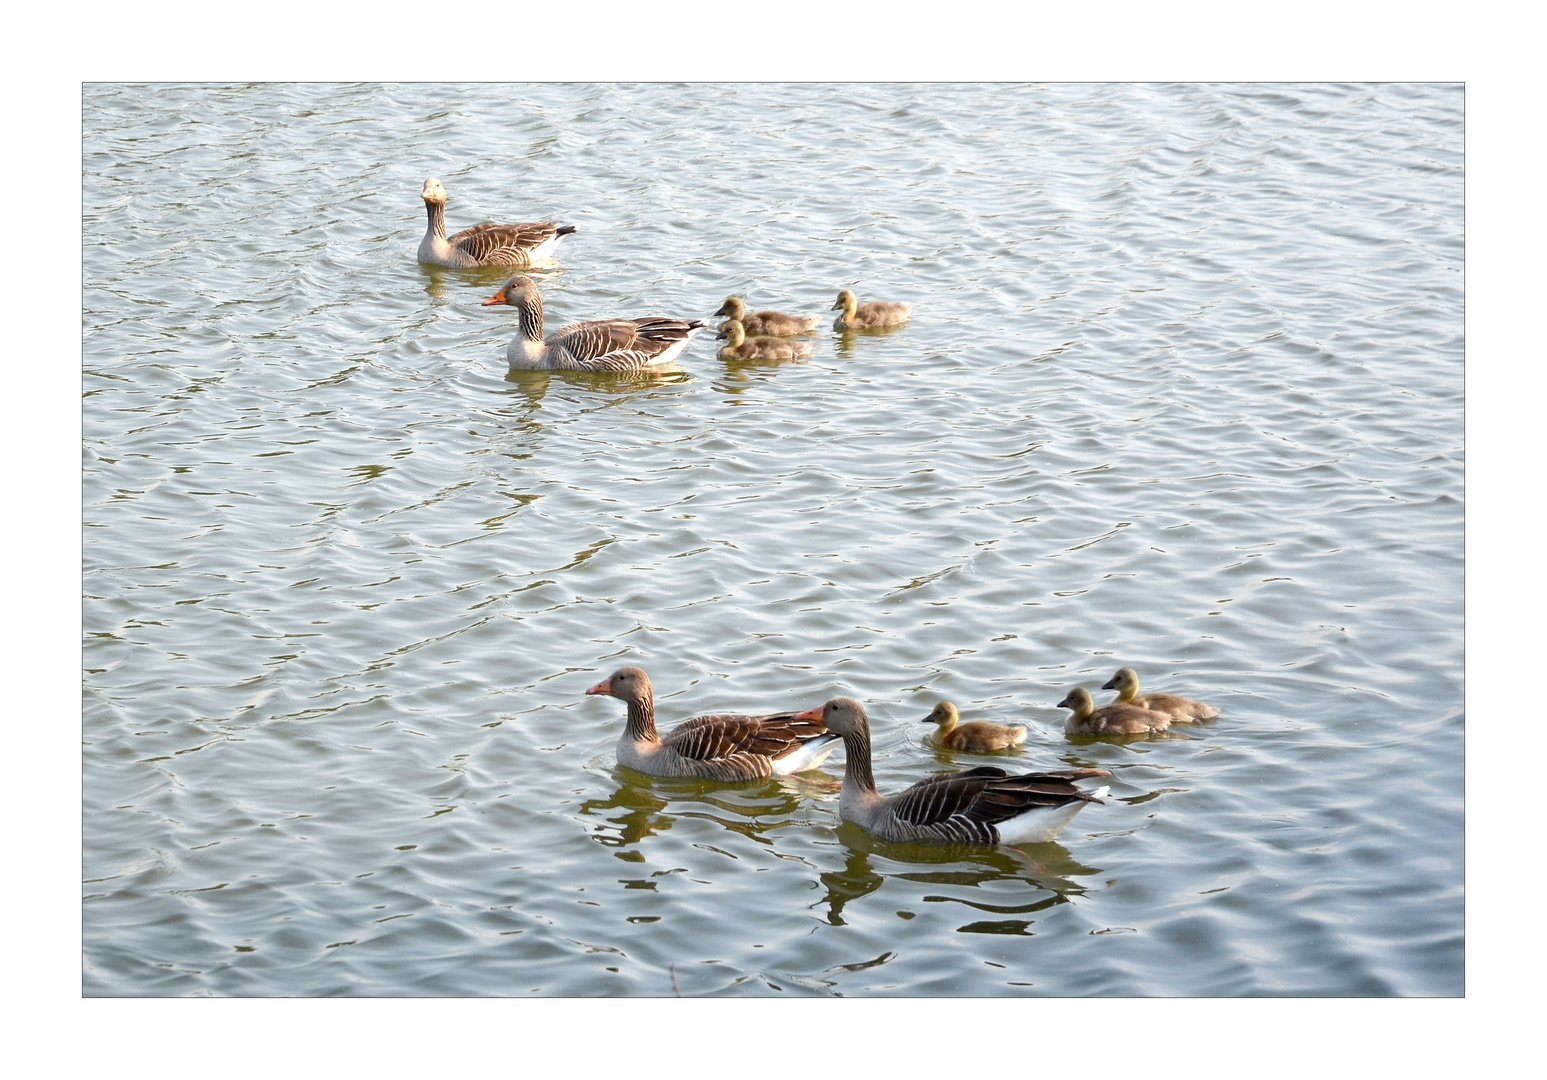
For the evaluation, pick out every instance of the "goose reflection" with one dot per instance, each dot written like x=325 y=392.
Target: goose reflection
x=755 y=809
x=846 y=339
x=1047 y=868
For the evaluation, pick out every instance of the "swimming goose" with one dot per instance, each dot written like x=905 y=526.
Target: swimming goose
x=598 y=345
x=1181 y=710
x=873 y=313
x=985 y=805
x=718 y=747
x=740 y=347
x=767 y=322
x=975 y=736
x=483 y=245
x=1109 y=719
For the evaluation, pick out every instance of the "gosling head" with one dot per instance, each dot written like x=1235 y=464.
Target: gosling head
x=518 y=291
x=733 y=333
x=433 y=192
x=841 y=716
x=629 y=684
x=943 y=714
x=846 y=301
x=1080 y=701
x=1125 y=682
x=732 y=307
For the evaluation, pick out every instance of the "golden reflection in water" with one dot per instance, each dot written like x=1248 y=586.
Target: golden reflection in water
x=847 y=339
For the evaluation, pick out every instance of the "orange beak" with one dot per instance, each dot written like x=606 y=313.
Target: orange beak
x=810 y=714
x=499 y=298
x=605 y=686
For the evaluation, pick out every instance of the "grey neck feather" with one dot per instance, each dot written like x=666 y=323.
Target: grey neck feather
x=641 y=714
x=856 y=749
x=437 y=218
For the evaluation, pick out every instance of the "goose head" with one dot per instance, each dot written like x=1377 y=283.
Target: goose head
x=1080 y=701
x=943 y=714
x=518 y=291
x=733 y=307
x=1125 y=682
x=433 y=192
x=629 y=684
x=733 y=333
x=841 y=716
x=846 y=302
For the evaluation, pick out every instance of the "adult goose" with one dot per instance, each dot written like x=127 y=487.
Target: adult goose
x=598 y=345
x=975 y=736
x=483 y=245
x=985 y=805
x=723 y=746
x=1113 y=719
x=776 y=323
x=740 y=347
x=1181 y=710
x=874 y=313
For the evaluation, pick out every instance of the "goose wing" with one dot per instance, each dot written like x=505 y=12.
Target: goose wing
x=965 y=805
x=707 y=738
x=503 y=245
x=620 y=344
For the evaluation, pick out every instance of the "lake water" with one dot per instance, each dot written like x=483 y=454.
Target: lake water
x=1183 y=390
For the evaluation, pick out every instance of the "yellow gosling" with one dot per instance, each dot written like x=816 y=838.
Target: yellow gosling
x=857 y=316
x=776 y=323
x=1109 y=719
x=740 y=347
x=1181 y=710
x=976 y=736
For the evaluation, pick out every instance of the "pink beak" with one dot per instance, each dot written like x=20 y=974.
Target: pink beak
x=499 y=298
x=605 y=686
x=810 y=714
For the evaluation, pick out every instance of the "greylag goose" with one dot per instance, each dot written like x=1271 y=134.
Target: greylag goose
x=483 y=245
x=718 y=747
x=975 y=736
x=1181 y=710
x=776 y=323
x=985 y=805
x=598 y=345
x=740 y=347
x=1109 y=719
x=857 y=316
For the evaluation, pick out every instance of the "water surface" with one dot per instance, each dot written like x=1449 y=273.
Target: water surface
x=1182 y=391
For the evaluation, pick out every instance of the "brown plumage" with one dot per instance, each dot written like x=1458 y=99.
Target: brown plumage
x=723 y=746
x=975 y=736
x=740 y=347
x=776 y=323
x=483 y=245
x=873 y=313
x=599 y=345
x=1181 y=710
x=985 y=805
x=1109 y=719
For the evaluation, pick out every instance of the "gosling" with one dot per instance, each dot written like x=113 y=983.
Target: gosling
x=767 y=322
x=874 y=313
x=1181 y=710
x=1109 y=719
x=740 y=347
x=975 y=737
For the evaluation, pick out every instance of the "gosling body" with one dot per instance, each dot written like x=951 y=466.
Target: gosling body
x=975 y=736
x=869 y=315
x=1109 y=719
x=1181 y=710
x=740 y=347
x=775 y=323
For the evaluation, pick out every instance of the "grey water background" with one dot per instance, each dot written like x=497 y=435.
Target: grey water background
x=1183 y=390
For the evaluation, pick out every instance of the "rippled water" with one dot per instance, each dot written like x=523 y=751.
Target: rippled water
x=1182 y=390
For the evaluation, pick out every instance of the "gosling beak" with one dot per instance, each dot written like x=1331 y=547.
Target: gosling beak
x=499 y=298
x=605 y=686
x=721 y=336
x=1108 y=685
x=724 y=310
x=809 y=714
x=1064 y=704
x=836 y=306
